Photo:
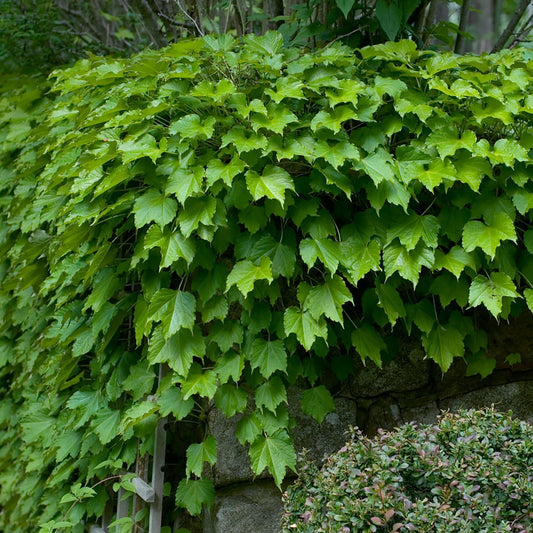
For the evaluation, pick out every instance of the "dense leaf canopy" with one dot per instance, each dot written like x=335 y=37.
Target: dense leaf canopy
x=247 y=216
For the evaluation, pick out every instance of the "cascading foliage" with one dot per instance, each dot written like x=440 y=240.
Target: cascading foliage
x=247 y=216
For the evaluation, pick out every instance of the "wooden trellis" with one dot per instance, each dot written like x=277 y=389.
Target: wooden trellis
x=151 y=494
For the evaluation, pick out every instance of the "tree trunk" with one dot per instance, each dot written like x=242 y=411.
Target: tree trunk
x=442 y=13
x=511 y=26
x=460 y=42
x=277 y=9
x=150 y=22
x=481 y=26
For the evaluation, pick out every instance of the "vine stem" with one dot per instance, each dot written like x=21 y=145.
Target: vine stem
x=78 y=500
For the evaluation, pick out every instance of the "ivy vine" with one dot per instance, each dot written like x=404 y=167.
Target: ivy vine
x=247 y=216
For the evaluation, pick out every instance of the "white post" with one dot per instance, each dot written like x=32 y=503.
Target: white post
x=123 y=506
x=158 y=476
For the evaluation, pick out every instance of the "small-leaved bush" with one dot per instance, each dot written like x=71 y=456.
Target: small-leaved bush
x=470 y=472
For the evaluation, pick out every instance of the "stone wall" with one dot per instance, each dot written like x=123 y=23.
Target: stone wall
x=409 y=388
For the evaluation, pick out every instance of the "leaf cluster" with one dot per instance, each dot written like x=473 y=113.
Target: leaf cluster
x=247 y=217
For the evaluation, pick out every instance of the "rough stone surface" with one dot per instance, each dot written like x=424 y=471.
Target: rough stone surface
x=233 y=463
x=514 y=336
x=423 y=414
x=246 y=509
x=383 y=414
x=517 y=397
x=407 y=371
x=321 y=440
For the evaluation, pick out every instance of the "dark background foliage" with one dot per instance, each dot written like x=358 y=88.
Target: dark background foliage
x=40 y=34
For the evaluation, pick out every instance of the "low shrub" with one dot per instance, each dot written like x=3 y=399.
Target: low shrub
x=470 y=472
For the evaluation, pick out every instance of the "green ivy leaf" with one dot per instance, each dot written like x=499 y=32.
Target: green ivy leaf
x=454 y=261
x=514 y=358
x=272 y=183
x=185 y=182
x=137 y=414
x=333 y=119
x=283 y=256
x=286 y=87
x=345 y=91
x=507 y=151
x=194 y=493
x=268 y=356
x=244 y=140
x=196 y=211
x=88 y=402
x=105 y=286
x=304 y=326
x=360 y=258
x=133 y=148
x=140 y=381
x=178 y=351
x=198 y=454
x=491 y=291
x=270 y=394
x=199 y=382
x=488 y=238
x=173 y=245
x=390 y=301
x=317 y=402
x=480 y=364
x=413 y=228
x=38 y=424
x=523 y=201
x=328 y=299
x=192 y=126
x=274 y=452
x=268 y=44
x=230 y=365
x=472 y=170
x=432 y=174
x=154 y=206
x=368 y=343
x=172 y=401
x=245 y=274
x=216 y=308
x=336 y=154
x=391 y=191
x=378 y=165
x=447 y=140
x=230 y=399
x=391 y=86
x=326 y=250
x=441 y=61
x=226 y=334
x=218 y=92
x=240 y=103
x=105 y=424
x=175 y=310
x=407 y=263
x=442 y=344
x=278 y=117
x=217 y=170
x=449 y=289
x=248 y=429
